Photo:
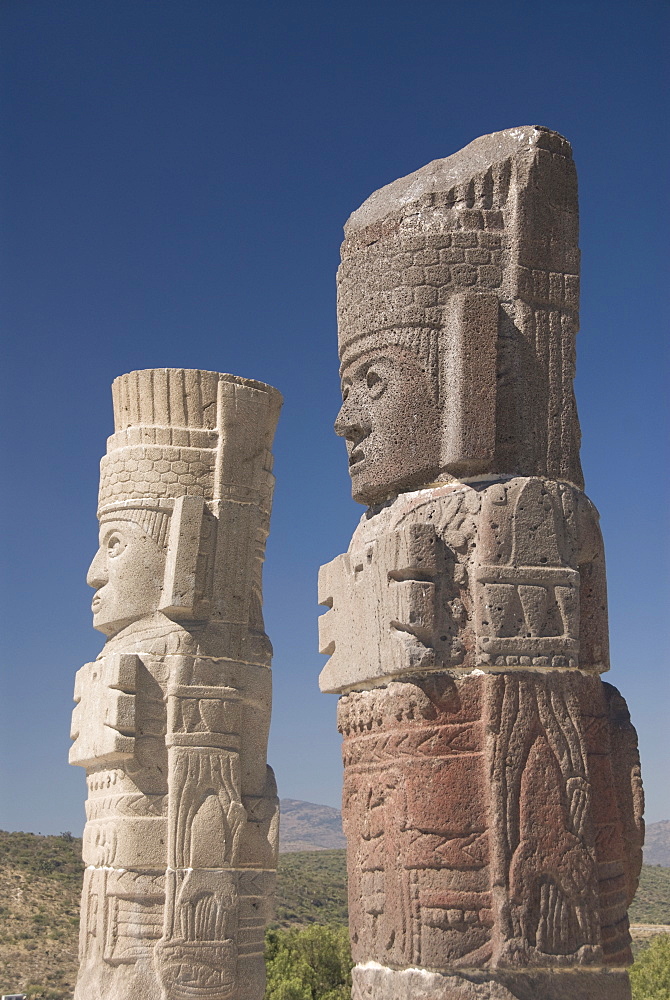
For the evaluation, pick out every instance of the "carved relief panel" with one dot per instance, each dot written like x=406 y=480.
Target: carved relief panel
x=445 y=577
x=473 y=809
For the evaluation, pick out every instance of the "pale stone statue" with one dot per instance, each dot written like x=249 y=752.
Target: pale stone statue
x=172 y=719
x=492 y=797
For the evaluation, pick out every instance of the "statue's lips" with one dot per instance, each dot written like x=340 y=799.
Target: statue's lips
x=96 y=602
x=356 y=457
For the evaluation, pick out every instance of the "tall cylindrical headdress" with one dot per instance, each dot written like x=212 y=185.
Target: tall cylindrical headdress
x=472 y=262
x=173 y=438
x=191 y=449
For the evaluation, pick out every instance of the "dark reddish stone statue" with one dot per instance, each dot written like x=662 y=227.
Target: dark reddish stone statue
x=492 y=794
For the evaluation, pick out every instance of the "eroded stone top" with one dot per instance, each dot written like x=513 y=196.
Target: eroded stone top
x=444 y=174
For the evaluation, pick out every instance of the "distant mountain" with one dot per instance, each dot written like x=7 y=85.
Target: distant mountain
x=657 y=844
x=305 y=826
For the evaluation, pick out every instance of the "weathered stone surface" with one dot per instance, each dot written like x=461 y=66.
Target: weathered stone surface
x=483 y=822
x=492 y=796
x=457 y=301
x=172 y=719
x=467 y=575
x=416 y=984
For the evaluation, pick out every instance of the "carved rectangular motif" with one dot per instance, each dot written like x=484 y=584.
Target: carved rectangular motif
x=389 y=583
x=103 y=720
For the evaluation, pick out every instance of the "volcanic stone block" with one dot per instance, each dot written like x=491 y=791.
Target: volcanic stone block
x=492 y=796
x=172 y=719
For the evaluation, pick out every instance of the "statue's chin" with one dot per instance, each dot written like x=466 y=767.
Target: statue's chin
x=109 y=628
x=372 y=493
x=113 y=628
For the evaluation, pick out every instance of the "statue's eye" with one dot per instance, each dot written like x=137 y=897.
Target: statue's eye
x=375 y=382
x=115 y=545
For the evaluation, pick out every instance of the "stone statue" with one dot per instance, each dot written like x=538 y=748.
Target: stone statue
x=492 y=796
x=172 y=719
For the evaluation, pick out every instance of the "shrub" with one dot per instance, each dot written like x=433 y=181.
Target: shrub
x=650 y=974
x=310 y=963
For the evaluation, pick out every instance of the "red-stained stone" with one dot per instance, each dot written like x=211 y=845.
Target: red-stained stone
x=511 y=854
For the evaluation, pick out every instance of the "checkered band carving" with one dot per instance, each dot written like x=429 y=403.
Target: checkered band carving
x=404 y=271
x=160 y=472
x=170 y=434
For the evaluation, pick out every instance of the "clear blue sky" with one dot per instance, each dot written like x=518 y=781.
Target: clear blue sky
x=177 y=174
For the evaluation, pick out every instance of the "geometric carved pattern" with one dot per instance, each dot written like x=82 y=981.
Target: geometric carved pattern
x=476 y=824
x=434 y=596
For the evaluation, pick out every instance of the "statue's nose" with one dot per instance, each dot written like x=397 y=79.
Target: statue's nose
x=97 y=575
x=351 y=422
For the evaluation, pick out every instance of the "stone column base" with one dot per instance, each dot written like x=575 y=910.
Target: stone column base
x=374 y=982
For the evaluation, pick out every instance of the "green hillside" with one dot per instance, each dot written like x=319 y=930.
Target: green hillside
x=40 y=883
x=652 y=900
x=311 y=888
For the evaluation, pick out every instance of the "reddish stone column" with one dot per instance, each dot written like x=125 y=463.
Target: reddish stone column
x=492 y=797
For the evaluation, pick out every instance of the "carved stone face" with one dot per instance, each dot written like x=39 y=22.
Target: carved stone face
x=127 y=574
x=390 y=420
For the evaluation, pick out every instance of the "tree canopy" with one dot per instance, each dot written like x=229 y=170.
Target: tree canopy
x=310 y=963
